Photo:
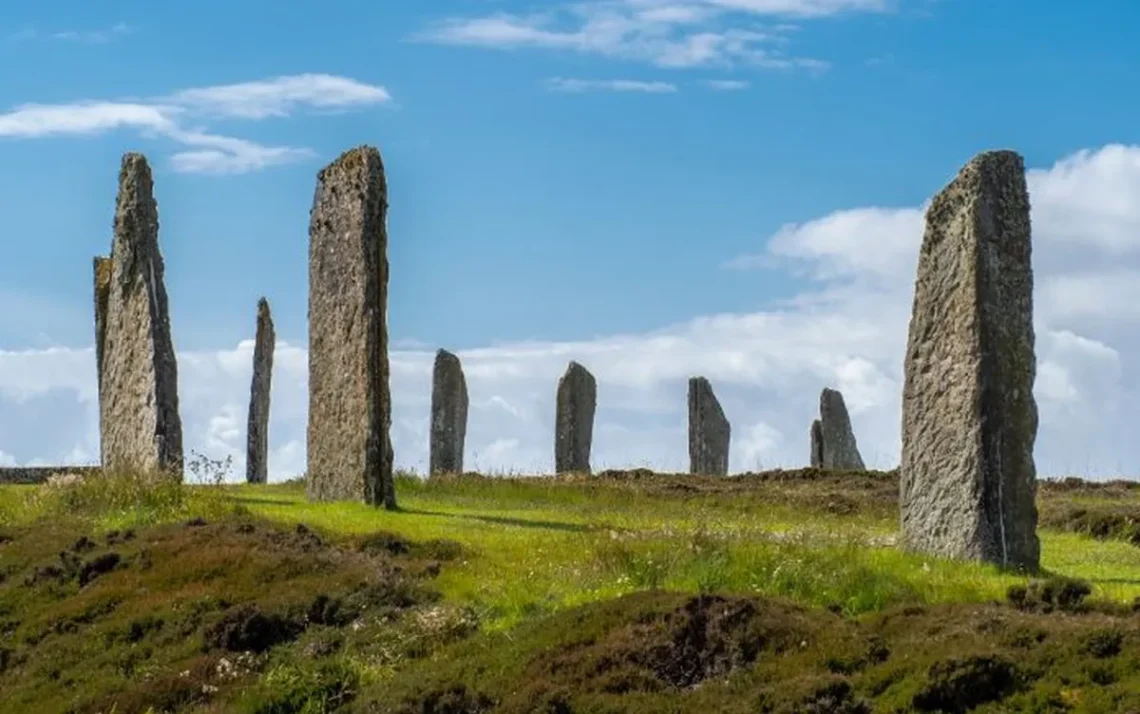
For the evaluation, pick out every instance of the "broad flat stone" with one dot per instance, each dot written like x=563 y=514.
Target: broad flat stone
x=709 y=431
x=257 y=426
x=448 y=415
x=838 y=450
x=140 y=428
x=969 y=418
x=575 y=404
x=349 y=445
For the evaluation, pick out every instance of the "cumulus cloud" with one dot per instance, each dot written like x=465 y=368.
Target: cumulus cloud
x=664 y=33
x=167 y=116
x=847 y=330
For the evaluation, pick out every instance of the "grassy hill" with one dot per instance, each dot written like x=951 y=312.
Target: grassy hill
x=624 y=592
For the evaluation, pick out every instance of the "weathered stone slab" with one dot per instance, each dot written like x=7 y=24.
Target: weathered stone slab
x=257 y=426
x=350 y=411
x=969 y=418
x=140 y=427
x=576 y=401
x=837 y=449
x=102 y=268
x=709 y=431
x=448 y=415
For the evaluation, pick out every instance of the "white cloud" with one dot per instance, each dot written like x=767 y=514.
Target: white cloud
x=672 y=33
x=95 y=37
x=847 y=330
x=727 y=85
x=207 y=152
x=562 y=84
x=278 y=96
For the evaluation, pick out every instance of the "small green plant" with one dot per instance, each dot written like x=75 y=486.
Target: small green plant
x=207 y=471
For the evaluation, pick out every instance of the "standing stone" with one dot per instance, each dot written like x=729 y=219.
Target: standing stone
x=257 y=427
x=816 y=444
x=350 y=412
x=575 y=404
x=836 y=449
x=102 y=294
x=138 y=390
x=969 y=419
x=709 y=430
x=448 y=415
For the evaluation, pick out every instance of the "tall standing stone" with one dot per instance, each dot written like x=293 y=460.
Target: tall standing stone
x=969 y=419
x=102 y=268
x=138 y=390
x=575 y=404
x=349 y=446
x=448 y=415
x=836 y=448
x=709 y=430
x=257 y=427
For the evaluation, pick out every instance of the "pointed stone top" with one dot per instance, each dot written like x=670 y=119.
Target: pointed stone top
x=442 y=355
x=262 y=307
x=831 y=398
x=135 y=181
x=576 y=367
x=361 y=158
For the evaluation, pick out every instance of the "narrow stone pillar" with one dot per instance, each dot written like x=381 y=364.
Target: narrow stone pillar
x=102 y=268
x=448 y=415
x=257 y=426
x=816 y=444
x=837 y=449
x=350 y=412
x=140 y=428
x=969 y=418
x=575 y=403
x=709 y=431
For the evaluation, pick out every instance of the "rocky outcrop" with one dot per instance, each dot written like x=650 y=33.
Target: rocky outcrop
x=967 y=476
x=576 y=401
x=709 y=431
x=140 y=428
x=349 y=445
x=448 y=415
x=257 y=426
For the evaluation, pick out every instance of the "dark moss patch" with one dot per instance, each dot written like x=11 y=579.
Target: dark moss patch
x=961 y=684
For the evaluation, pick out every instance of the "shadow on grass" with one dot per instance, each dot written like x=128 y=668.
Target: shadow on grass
x=506 y=521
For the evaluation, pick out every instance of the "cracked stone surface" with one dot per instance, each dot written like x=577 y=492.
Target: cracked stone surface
x=449 y=404
x=350 y=412
x=140 y=427
x=257 y=426
x=969 y=418
x=102 y=267
x=576 y=402
x=709 y=431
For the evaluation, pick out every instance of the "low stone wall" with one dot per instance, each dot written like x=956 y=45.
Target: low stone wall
x=39 y=474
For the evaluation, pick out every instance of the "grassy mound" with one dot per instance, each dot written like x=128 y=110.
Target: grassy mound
x=629 y=591
x=166 y=618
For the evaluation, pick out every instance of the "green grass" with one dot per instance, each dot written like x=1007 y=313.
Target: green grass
x=529 y=549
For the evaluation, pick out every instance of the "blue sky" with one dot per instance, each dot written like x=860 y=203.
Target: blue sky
x=597 y=177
